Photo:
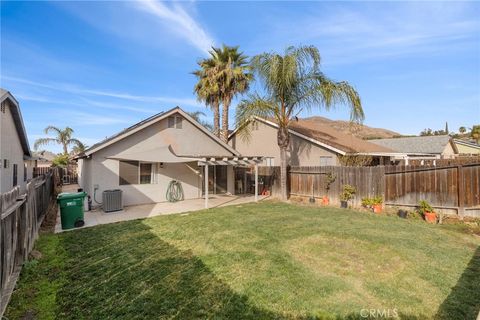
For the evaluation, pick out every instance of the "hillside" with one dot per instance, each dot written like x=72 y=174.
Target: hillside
x=364 y=132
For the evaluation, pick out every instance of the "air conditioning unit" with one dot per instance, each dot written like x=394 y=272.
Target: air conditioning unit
x=112 y=200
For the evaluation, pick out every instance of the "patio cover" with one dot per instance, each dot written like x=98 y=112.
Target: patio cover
x=160 y=154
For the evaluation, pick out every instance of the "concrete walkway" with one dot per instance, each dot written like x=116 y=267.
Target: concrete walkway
x=97 y=216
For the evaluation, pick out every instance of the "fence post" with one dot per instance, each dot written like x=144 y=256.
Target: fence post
x=461 y=192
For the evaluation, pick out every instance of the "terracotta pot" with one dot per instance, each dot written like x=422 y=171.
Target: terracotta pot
x=325 y=201
x=430 y=217
x=377 y=208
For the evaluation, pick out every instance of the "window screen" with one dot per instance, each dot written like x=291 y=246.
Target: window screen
x=171 y=122
x=145 y=173
x=128 y=172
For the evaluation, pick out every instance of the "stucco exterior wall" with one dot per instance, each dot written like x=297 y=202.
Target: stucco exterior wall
x=10 y=149
x=263 y=142
x=448 y=152
x=188 y=141
x=463 y=149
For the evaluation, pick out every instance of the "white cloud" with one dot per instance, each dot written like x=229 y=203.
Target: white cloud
x=179 y=21
x=346 y=35
x=77 y=90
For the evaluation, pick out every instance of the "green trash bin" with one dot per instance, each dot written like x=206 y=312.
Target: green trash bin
x=71 y=209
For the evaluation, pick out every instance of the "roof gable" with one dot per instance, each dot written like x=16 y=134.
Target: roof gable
x=17 y=118
x=328 y=137
x=153 y=120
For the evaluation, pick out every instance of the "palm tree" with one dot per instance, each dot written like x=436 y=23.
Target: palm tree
x=207 y=90
x=462 y=129
x=221 y=77
x=293 y=83
x=63 y=138
x=197 y=115
x=79 y=148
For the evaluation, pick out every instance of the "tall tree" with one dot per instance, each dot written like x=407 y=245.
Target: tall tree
x=208 y=91
x=197 y=115
x=475 y=133
x=62 y=137
x=292 y=83
x=462 y=129
x=231 y=72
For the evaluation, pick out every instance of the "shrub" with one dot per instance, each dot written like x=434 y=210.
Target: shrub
x=348 y=192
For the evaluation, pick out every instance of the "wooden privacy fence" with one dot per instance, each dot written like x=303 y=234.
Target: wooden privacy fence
x=68 y=175
x=21 y=217
x=311 y=181
x=451 y=188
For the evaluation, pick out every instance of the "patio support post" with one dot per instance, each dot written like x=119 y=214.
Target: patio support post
x=256 y=182
x=206 y=186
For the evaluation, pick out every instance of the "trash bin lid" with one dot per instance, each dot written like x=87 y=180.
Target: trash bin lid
x=71 y=195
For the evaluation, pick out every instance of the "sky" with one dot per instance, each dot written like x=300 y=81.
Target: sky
x=99 y=67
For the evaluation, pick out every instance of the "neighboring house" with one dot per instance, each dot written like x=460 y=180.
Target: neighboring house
x=441 y=147
x=143 y=159
x=310 y=144
x=44 y=158
x=16 y=162
x=467 y=147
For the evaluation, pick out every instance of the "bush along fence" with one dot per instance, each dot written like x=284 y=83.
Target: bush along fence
x=21 y=217
x=453 y=189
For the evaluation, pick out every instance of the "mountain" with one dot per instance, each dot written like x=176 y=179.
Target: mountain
x=360 y=131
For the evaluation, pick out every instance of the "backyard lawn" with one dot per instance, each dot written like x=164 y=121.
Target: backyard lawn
x=257 y=261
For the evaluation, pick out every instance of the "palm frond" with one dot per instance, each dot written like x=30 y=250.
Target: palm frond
x=43 y=142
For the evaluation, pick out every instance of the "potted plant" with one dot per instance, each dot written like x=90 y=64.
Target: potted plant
x=367 y=203
x=377 y=204
x=346 y=195
x=425 y=209
x=329 y=179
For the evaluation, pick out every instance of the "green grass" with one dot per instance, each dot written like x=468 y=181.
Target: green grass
x=258 y=261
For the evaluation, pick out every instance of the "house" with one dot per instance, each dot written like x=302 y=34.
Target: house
x=310 y=144
x=143 y=159
x=467 y=147
x=439 y=147
x=16 y=162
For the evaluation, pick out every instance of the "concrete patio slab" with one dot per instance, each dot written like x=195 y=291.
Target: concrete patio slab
x=97 y=216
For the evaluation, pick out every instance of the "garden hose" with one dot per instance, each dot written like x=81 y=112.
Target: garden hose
x=174 y=191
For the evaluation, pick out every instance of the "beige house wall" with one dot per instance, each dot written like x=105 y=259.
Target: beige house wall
x=263 y=142
x=463 y=149
x=188 y=141
x=10 y=149
x=448 y=152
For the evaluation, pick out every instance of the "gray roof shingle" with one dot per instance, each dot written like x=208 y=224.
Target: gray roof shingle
x=424 y=144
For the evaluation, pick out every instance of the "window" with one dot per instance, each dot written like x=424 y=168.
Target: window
x=24 y=172
x=175 y=122
x=15 y=171
x=145 y=173
x=269 y=162
x=134 y=172
x=254 y=125
x=326 y=161
x=128 y=172
x=6 y=163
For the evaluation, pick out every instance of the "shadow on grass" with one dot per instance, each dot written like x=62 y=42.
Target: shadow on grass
x=464 y=300
x=125 y=271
